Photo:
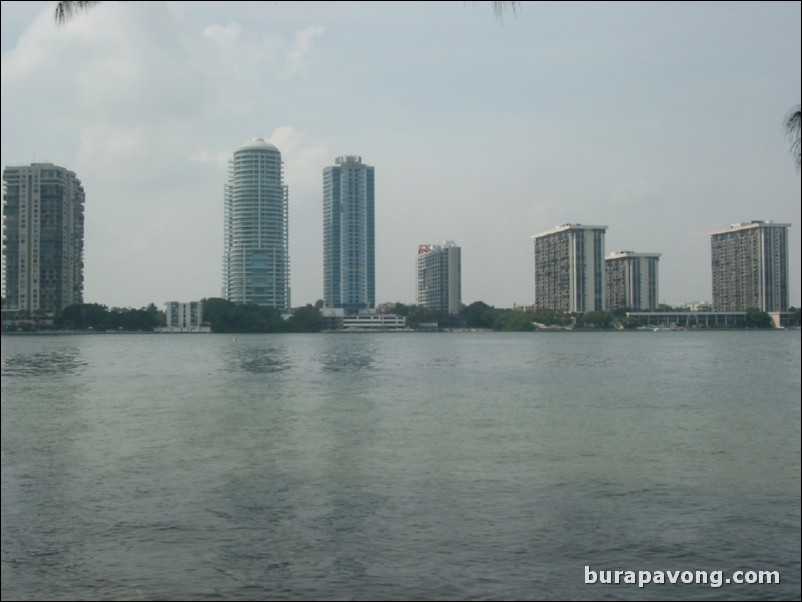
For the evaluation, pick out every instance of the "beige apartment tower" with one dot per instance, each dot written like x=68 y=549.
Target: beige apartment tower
x=749 y=263
x=439 y=282
x=569 y=268
x=632 y=281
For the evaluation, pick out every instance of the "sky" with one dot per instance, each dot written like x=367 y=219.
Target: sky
x=661 y=121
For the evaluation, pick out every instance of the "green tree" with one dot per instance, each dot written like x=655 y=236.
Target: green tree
x=513 y=320
x=401 y=309
x=67 y=9
x=140 y=320
x=156 y=316
x=226 y=316
x=418 y=314
x=81 y=316
x=756 y=318
x=479 y=315
x=551 y=317
x=793 y=128
x=596 y=319
x=306 y=319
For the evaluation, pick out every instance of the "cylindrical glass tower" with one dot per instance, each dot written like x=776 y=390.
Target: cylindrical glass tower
x=256 y=266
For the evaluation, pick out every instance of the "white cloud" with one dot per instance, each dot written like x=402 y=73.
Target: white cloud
x=303 y=53
x=632 y=192
x=204 y=155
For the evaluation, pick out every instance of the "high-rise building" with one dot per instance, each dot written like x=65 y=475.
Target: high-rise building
x=43 y=238
x=349 y=239
x=569 y=268
x=256 y=264
x=439 y=283
x=750 y=267
x=632 y=281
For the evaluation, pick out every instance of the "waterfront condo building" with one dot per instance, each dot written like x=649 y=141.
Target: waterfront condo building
x=43 y=238
x=183 y=317
x=632 y=281
x=349 y=242
x=750 y=267
x=439 y=282
x=256 y=265
x=569 y=268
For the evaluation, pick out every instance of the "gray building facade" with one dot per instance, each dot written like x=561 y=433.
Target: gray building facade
x=632 y=281
x=569 y=268
x=439 y=281
x=43 y=238
x=749 y=263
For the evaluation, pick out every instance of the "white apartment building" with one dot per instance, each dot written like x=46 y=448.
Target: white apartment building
x=439 y=281
x=256 y=264
x=184 y=317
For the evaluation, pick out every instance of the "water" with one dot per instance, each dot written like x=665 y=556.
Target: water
x=398 y=466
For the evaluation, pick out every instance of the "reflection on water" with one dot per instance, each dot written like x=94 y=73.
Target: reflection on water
x=45 y=362
x=348 y=353
x=252 y=355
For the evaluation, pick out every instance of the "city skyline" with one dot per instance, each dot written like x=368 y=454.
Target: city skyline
x=482 y=131
x=43 y=214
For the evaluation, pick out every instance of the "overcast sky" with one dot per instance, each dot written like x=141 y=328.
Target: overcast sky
x=662 y=121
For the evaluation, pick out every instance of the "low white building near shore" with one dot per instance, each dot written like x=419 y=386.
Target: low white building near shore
x=184 y=317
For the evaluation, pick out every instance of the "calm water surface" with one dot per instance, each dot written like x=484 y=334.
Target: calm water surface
x=400 y=466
